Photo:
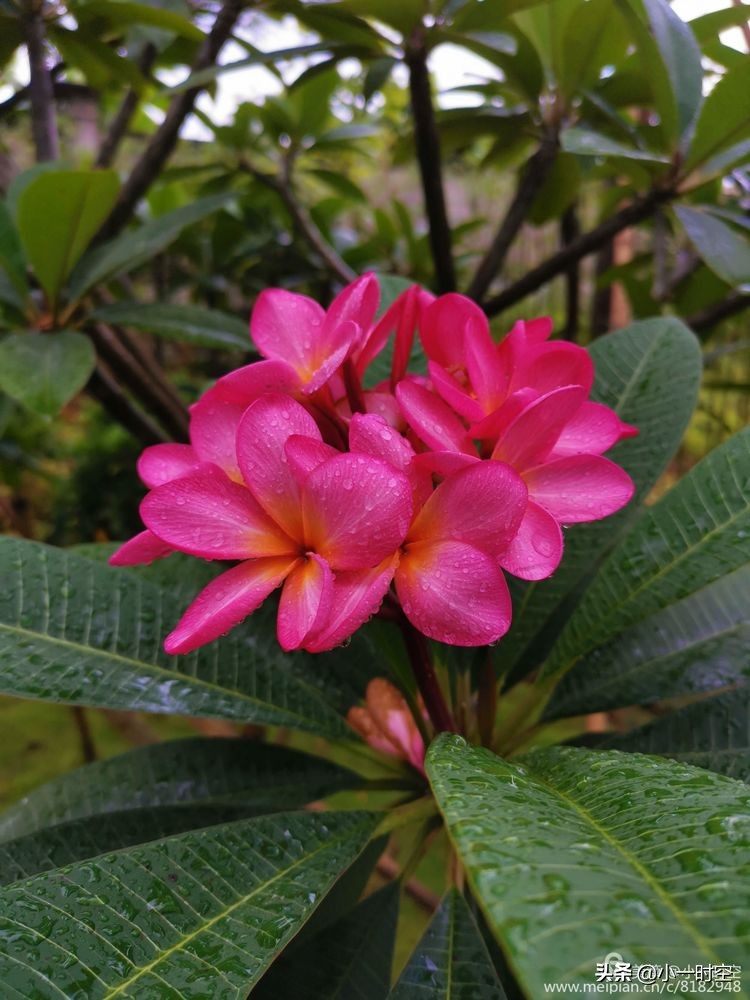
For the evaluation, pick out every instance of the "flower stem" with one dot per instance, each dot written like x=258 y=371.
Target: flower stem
x=487 y=701
x=427 y=682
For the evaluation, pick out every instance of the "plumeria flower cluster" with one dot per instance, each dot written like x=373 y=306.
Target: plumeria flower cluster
x=421 y=490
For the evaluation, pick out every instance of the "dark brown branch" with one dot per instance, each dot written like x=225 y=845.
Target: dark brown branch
x=638 y=210
x=103 y=388
x=601 y=302
x=707 y=318
x=427 y=682
x=303 y=222
x=43 y=116
x=164 y=140
x=88 y=747
x=570 y=230
x=533 y=176
x=125 y=112
x=430 y=169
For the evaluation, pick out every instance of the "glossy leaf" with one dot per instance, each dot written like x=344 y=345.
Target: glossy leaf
x=573 y=854
x=725 y=116
x=135 y=247
x=350 y=959
x=586 y=142
x=205 y=912
x=45 y=370
x=649 y=374
x=693 y=536
x=58 y=214
x=725 y=251
x=179 y=773
x=187 y=324
x=399 y=14
x=451 y=960
x=594 y=36
x=76 y=631
x=713 y=733
x=124 y=12
x=694 y=645
x=12 y=260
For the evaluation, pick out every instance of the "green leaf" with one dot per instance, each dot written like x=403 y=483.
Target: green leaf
x=586 y=142
x=725 y=251
x=76 y=631
x=352 y=958
x=123 y=12
x=681 y=56
x=594 y=36
x=376 y=77
x=573 y=854
x=649 y=374
x=694 y=645
x=137 y=246
x=205 y=912
x=399 y=14
x=11 y=254
x=45 y=370
x=725 y=116
x=694 y=535
x=58 y=215
x=341 y=184
x=99 y=62
x=713 y=733
x=451 y=960
x=178 y=773
x=184 y=323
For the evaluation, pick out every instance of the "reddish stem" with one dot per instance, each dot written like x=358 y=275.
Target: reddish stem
x=353 y=388
x=427 y=682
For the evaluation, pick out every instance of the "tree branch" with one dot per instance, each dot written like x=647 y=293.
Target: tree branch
x=707 y=318
x=428 y=156
x=164 y=140
x=570 y=230
x=638 y=210
x=125 y=112
x=533 y=176
x=303 y=222
x=43 y=116
x=103 y=387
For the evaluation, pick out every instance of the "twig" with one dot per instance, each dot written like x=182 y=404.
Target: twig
x=427 y=682
x=570 y=230
x=125 y=112
x=389 y=869
x=88 y=748
x=638 y=210
x=23 y=93
x=303 y=221
x=43 y=117
x=164 y=140
x=744 y=27
x=601 y=301
x=428 y=156
x=707 y=318
x=530 y=182
x=103 y=387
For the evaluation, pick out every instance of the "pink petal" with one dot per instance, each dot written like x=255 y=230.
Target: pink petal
x=386 y=406
x=357 y=303
x=356 y=510
x=482 y=506
x=454 y=393
x=213 y=431
x=371 y=435
x=305 y=601
x=305 y=454
x=141 y=549
x=536 y=330
x=286 y=326
x=580 y=488
x=442 y=327
x=356 y=596
x=546 y=366
x=431 y=419
x=532 y=435
x=226 y=601
x=400 y=315
x=163 y=462
x=261 y=436
x=454 y=593
x=489 y=378
x=407 y=327
x=244 y=385
x=209 y=515
x=329 y=355
x=536 y=551
x=594 y=429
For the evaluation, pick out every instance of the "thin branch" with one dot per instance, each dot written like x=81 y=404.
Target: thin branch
x=88 y=747
x=570 y=230
x=424 y=675
x=428 y=156
x=105 y=389
x=303 y=221
x=638 y=210
x=164 y=140
x=388 y=868
x=43 y=116
x=121 y=121
x=601 y=301
x=533 y=176
x=707 y=318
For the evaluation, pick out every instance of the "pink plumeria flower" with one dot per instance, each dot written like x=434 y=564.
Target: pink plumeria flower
x=327 y=526
x=448 y=577
x=386 y=723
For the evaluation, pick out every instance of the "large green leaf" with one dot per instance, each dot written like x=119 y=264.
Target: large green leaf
x=350 y=960
x=694 y=535
x=725 y=116
x=77 y=631
x=137 y=246
x=124 y=12
x=187 y=324
x=586 y=142
x=190 y=772
x=713 y=733
x=725 y=251
x=451 y=960
x=45 y=370
x=58 y=215
x=697 y=644
x=573 y=854
x=197 y=915
x=12 y=260
x=649 y=374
